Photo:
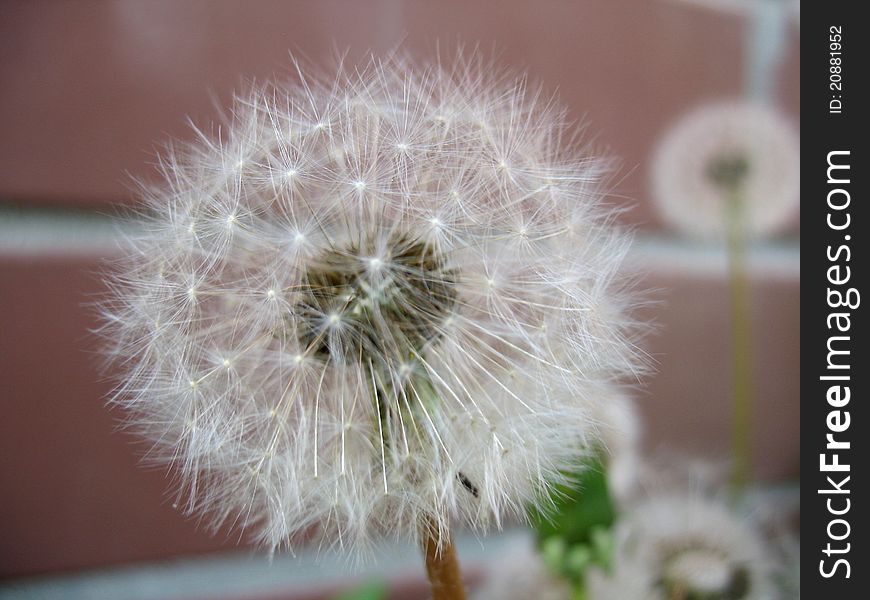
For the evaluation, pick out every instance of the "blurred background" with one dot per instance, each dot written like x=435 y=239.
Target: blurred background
x=89 y=88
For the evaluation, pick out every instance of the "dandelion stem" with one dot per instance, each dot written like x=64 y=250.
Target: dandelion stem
x=740 y=340
x=442 y=566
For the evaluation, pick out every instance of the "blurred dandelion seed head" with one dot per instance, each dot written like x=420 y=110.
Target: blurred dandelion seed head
x=686 y=546
x=723 y=153
x=372 y=299
x=703 y=572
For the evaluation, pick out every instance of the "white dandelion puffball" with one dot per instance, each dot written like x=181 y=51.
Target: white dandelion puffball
x=686 y=547
x=721 y=149
x=373 y=300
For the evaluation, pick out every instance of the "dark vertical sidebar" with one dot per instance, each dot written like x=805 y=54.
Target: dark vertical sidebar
x=835 y=433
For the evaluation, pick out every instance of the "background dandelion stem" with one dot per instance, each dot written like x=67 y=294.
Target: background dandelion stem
x=741 y=428
x=442 y=566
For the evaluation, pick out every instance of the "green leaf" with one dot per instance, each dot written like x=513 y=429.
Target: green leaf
x=603 y=546
x=553 y=552
x=579 y=509
x=373 y=590
x=579 y=593
x=579 y=557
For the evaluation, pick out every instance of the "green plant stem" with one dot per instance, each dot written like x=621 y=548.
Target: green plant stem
x=741 y=428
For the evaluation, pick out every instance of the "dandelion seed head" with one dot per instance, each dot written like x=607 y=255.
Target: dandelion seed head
x=686 y=545
x=720 y=151
x=397 y=335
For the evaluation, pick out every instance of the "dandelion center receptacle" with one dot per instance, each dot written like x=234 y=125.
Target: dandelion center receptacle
x=379 y=301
